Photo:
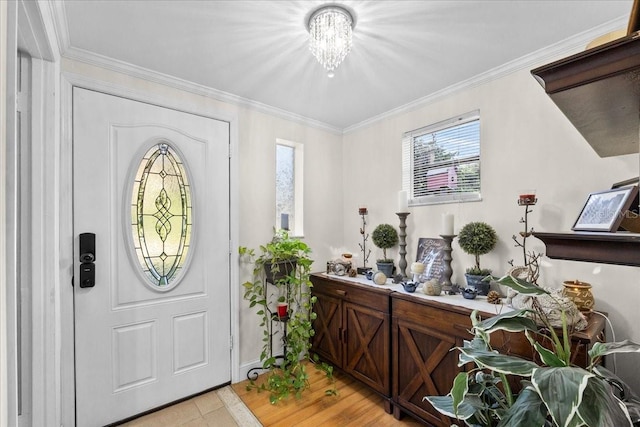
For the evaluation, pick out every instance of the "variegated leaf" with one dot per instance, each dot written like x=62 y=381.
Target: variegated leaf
x=527 y=411
x=521 y=286
x=513 y=321
x=501 y=363
x=459 y=390
x=600 y=349
x=600 y=407
x=561 y=390
x=444 y=405
x=548 y=357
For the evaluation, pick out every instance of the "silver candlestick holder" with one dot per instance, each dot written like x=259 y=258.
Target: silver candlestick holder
x=448 y=287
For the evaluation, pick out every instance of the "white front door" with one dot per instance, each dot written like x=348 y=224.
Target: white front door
x=152 y=185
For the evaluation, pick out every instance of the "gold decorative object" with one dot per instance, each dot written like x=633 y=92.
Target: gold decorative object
x=580 y=293
x=493 y=297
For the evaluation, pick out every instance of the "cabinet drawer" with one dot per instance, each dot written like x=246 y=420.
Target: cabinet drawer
x=377 y=299
x=433 y=317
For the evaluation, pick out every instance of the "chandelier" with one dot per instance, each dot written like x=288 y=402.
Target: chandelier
x=330 y=30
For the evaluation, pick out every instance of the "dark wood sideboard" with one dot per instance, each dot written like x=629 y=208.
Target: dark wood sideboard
x=400 y=344
x=353 y=331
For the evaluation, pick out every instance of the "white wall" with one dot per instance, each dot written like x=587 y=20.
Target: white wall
x=526 y=143
x=257 y=133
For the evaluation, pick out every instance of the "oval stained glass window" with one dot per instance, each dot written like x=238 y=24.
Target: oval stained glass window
x=161 y=215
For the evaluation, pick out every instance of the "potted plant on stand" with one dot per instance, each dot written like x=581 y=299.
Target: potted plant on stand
x=281 y=289
x=385 y=236
x=477 y=238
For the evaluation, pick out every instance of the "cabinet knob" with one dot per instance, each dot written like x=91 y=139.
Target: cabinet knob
x=341 y=292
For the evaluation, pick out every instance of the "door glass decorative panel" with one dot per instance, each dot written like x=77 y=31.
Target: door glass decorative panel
x=161 y=211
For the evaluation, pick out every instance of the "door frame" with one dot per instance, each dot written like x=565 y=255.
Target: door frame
x=40 y=217
x=70 y=80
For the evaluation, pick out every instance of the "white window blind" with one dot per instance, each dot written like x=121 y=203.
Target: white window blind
x=441 y=162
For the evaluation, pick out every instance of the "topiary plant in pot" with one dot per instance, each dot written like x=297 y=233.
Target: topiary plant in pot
x=281 y=276
x=477 y=238
x=552 y=393
x=385 y=236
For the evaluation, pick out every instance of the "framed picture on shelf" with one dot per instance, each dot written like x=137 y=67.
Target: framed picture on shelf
x=605 y=210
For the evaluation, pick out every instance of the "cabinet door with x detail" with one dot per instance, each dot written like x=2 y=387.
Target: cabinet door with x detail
x=367 y=346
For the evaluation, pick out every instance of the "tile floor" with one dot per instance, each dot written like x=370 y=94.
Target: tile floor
x=218 y=408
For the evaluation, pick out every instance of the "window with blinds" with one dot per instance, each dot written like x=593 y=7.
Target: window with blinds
x=441 y=162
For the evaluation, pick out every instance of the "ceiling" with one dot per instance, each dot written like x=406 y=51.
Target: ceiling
x=257 y=50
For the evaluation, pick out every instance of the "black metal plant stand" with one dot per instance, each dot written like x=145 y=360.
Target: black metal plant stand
x=253 y=373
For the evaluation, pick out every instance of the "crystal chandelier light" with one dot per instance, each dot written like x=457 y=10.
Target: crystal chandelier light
x=330 y=32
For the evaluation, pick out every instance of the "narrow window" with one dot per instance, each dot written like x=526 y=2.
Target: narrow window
x=441 y=162
x=161 y=215
x=289 y=206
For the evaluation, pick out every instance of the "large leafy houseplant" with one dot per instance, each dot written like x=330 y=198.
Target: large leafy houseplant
x=281 y=272
x=552 y=393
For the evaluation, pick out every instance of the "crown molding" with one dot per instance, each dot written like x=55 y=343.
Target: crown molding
x=188 y=86
x=101 y=61
x=547 y=54
x=555 y=51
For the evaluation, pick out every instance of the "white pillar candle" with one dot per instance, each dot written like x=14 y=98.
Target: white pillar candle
x=417 y=268
x=447 y=224
x=403 y=202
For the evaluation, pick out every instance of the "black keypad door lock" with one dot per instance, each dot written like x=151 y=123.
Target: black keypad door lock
x=87 y=258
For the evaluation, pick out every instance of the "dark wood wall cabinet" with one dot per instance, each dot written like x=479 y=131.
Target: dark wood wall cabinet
x=599 y=92
x=401 y=344
x=606 y=248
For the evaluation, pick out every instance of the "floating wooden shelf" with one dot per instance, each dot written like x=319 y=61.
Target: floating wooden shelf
x=607 y=248
x=599 y=92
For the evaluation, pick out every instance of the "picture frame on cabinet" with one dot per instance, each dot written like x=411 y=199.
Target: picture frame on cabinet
x=604 y=210
x=431 y=253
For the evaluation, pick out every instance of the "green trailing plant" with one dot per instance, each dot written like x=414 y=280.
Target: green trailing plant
x=552 y=393
x=384 y=236
x=285 y=262
x=477 y=238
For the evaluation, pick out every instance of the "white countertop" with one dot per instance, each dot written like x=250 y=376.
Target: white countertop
x=479 y=303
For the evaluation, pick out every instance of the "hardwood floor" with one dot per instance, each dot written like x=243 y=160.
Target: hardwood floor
x=355 y=405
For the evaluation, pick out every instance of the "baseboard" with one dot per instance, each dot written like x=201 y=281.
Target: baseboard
x=246 y=367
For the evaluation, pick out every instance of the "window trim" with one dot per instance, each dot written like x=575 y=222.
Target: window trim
x=407 y=163
x=297 y=228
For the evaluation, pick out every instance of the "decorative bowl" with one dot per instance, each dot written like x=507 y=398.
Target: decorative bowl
x=469 y=293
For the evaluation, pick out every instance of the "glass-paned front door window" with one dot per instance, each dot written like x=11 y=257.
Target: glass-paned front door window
x=161 y=215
